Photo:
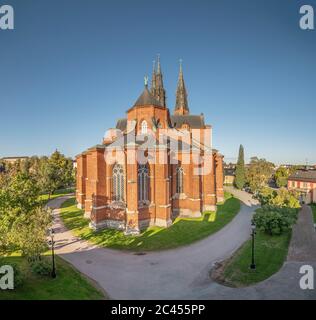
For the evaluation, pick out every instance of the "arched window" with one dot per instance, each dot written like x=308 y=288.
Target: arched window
x=144 y=127
x=143 y=182
x=118 y=182
x=179 y=180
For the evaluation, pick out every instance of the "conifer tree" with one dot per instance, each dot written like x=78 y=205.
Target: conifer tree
x=240 y=174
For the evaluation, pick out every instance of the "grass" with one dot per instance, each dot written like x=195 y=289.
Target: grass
x=56 y=194
x=270 y=254
x=68 y=285
x=183 y=231
x=313 y=206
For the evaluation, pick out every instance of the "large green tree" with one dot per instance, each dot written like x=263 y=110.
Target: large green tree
x=278 y=198
x=240 y=174
x=23 y=220
x=258 y=173
x=55 y=172
x=281 y=176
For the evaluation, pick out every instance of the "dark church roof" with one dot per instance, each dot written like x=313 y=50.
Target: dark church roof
x=146 y=99
x=304 y=175
x=195 y=122
x=121 y=124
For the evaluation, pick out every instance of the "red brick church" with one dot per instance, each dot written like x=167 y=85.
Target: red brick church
x=151 y=168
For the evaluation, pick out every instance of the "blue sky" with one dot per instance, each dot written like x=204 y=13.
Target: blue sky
x=70 y=68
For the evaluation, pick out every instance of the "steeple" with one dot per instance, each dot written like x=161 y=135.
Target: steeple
x=153 y=80
x=181 y=107
x=146 y=98
x=160 y=93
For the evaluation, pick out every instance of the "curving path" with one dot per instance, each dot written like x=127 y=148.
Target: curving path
x=180 y=273
x=170 y=274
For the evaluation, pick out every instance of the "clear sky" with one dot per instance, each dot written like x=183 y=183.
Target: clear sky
x=71 y=68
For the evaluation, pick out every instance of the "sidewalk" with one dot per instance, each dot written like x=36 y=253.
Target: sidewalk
x=303 y=243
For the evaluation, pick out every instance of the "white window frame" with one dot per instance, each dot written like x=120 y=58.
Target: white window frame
x=144 y=127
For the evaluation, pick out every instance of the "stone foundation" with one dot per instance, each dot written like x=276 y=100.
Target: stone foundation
x=188 y=213
x=163 y=223
x=209 y=207
x=107 y=224
x=80 y=206
x=144 y=224
x=131 y=231
x=87 y=215
x=220 y=199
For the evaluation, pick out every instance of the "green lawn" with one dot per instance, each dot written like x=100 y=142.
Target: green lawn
x=68 y=285
x=314 y=211
x=183 y=231
x=56 y=194
x=270 y=254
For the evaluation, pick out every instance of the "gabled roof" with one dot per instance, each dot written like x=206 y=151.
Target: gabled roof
x=195 y=122
x=304 y=175
x=147 y=99
x=121 y=124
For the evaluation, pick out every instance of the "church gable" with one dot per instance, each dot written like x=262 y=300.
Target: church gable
x=118 y=193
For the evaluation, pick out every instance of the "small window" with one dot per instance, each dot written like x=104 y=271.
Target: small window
x=293 y=184
x=144 y=127
x=143 y=182
x=305 y=185
x=179 y=180
x=118 y=183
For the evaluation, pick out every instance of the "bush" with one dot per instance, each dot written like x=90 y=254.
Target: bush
x=41 y=267
x=273 y=220
x=278 y=198
x=18 y=275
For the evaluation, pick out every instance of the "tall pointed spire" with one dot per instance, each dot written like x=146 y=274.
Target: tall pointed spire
x=160 y=93
x=153 y=80
x=182 y=106
x=158 y=64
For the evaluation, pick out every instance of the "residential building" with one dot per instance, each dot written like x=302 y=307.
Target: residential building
x=304 y=181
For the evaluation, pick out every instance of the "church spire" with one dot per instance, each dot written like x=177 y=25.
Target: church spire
x=153 y=80
x=158 y=64
x=181 y=107
x=160 y=93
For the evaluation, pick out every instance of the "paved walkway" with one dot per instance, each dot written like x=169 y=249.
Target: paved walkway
x=303 y=244
x=285 y=283
x=166 y=274
x=181 y=273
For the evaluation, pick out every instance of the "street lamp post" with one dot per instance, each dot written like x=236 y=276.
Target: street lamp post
x=253 y=232
x=52 y=243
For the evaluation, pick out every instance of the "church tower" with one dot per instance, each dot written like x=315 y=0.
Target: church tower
x=181 y=107
x=157 y=89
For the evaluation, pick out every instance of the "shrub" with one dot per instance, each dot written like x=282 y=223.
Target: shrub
x=18 y=275
x=278 y=198
x=273 y=220
x=41 y=267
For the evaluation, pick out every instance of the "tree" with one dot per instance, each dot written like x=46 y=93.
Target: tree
x=281 y=198
x=258 y=173
x=273 y=220
x=240 y=174
x=281 y=177
x=55 y=172
x=23 y=220
x=286 y=198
